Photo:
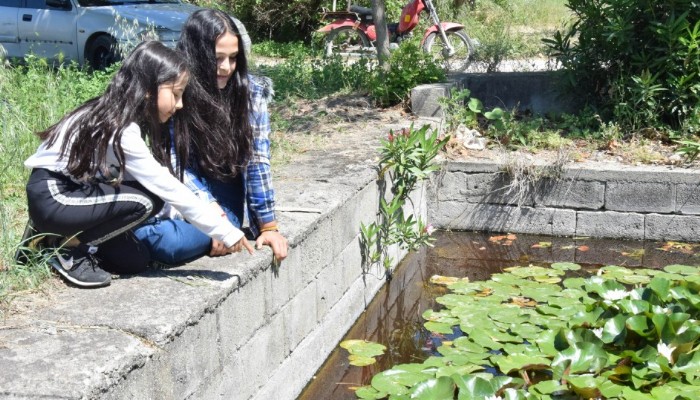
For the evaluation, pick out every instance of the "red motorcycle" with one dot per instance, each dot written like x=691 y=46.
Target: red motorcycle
x=353 y=32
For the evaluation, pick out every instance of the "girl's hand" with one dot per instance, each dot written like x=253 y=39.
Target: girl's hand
x=240 y=245
x=276 y=241
x=218 y=248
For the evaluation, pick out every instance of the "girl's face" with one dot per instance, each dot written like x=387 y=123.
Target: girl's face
x=226 y=48
x=170 y=97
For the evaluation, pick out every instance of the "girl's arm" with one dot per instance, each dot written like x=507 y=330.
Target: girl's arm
x=140 y=164
x=261 y=195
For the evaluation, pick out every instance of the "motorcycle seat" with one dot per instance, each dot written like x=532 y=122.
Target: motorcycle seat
x=360 y=10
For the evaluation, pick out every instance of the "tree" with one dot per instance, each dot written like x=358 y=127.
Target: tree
x=382 y=44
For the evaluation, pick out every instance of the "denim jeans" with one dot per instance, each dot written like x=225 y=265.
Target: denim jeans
x=175 y=242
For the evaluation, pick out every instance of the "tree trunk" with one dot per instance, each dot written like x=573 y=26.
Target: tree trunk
x=382 y=44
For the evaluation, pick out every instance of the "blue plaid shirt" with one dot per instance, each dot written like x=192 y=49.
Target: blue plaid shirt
x=260 y=195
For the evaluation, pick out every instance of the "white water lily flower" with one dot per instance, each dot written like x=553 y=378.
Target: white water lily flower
x=666 y=351
x=598 y=332
x=494 y=397
x=617 y=294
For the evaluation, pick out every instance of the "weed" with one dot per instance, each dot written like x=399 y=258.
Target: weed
x=525 y=173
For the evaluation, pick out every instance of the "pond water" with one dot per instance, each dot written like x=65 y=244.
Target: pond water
x=394 y=319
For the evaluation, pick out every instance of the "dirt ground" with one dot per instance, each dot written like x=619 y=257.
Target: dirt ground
x=301 y=125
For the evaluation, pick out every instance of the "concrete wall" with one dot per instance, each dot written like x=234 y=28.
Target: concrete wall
x=653 y=203
x=228 y=328
x=537 y=92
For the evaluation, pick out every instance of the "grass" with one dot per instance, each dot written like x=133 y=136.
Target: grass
x=32 y=97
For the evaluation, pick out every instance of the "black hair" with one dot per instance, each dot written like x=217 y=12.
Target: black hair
x=131 y=96
x=217 y=120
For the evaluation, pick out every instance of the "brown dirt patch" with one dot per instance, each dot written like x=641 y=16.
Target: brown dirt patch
x=303 y=125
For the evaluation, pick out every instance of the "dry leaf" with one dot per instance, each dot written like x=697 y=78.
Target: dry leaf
x=583 y=248
x=523 y=301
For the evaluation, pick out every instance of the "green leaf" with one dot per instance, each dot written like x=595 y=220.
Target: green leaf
x=473 y=387
x=363 y=348
x=661 y=287
x=640 y=325
x=634 y=306
x=441 y=388
x=566 y=266
x=517 y=362
x=496 y=113
x=360 y=361
x=369 y=393
x=438 y=327
x=388 y=381
x=682 y=269
x=585 y=385
x=582 y=357
x=475 y=105
x=613 y=328
x=548 y=387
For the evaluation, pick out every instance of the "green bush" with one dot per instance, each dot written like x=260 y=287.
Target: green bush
x=409 y=67
x=638 y=60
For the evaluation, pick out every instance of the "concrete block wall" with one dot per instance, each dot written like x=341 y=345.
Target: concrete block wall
x=227 y=328
x=609 y=201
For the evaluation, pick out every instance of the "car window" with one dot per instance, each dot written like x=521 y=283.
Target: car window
x=97 y=3
x=38 y=4
x=10 y=3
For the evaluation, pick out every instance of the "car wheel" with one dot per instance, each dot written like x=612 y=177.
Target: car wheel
x=101 y=52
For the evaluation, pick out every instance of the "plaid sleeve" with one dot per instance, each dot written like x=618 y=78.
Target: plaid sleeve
x=261 y=195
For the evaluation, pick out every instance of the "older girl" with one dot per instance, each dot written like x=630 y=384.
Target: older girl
x=95 y=178
x=228 y=127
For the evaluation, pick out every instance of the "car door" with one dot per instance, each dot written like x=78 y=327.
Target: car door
x=9 y=37
x=47 y=29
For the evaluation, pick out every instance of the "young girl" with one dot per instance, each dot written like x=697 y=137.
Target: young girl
x=94 y=177
x=228 y=126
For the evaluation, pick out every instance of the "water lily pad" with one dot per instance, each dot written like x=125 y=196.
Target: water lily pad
x=574 y=283
x=441 y=388
x=438 y=327
x=363 y=348
x=531 y=271
x=566 y=266
x=585 y=385
x=396 y=381
x=473 y=387
x=361 y=361
x=369 y=393
x=446 y=280
x=549 y=387
x=682 y=269
x=517 y=362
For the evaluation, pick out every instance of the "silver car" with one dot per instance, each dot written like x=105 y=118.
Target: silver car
x=92 y=32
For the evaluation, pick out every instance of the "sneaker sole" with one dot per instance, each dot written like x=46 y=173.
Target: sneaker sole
x=58 y=268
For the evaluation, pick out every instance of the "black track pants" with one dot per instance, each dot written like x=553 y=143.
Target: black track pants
x=97 y=214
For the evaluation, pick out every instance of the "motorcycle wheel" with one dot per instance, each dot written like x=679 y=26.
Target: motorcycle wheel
x=346 y=41
x=461 y=43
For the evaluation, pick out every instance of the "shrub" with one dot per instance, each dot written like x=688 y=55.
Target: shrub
x=637 y=60
x=409 y=67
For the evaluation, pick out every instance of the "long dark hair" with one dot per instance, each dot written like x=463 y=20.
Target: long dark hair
x=217 y=120
x=132 y=96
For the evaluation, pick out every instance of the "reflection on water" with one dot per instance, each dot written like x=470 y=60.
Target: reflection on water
x=394 y=319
